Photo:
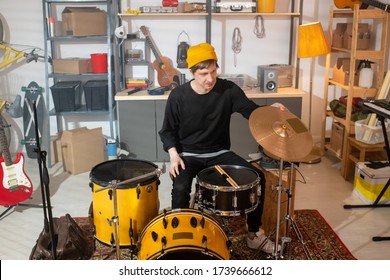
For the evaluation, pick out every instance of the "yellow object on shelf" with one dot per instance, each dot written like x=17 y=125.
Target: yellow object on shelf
x=265 y=6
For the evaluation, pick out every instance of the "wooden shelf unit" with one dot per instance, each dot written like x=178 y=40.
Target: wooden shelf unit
x=379 y=56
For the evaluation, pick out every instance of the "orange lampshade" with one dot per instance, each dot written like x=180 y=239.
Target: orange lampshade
x=311 y=40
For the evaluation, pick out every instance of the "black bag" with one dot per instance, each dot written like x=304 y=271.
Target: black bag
x=71 y=242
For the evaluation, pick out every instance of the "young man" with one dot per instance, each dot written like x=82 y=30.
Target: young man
x=196 y=130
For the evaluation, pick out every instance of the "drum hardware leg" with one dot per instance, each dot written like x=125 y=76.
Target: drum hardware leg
x=289 y=219
x=226 y=227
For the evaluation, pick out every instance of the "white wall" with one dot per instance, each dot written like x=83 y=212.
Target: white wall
x=23 y=26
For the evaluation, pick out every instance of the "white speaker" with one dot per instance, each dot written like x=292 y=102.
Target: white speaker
x=267 y=78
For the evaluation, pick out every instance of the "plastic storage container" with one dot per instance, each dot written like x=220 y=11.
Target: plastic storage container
x=369 y=182
x=370 y=134
x=96 y=95
x=66 y=96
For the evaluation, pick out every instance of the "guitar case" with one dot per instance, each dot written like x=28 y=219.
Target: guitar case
x=71 y=242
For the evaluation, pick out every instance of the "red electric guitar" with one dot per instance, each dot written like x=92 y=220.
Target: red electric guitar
x=15 y=185
x=342 y=4
x=163 y=65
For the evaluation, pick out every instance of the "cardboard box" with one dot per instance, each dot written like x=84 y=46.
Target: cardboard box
x=74 y=65
x=82 y=149
x=338 y=34
x=369 y=182
x=337 y=138
x=341 y=71
x=363 y=36
x=84 y=21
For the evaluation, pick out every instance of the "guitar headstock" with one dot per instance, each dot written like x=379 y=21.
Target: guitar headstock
x=3 y=103
x=145 y=30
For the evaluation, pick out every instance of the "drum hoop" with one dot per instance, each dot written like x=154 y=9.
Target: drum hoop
x=188 y=249
x=231 y=213
x=102 y=183
x=230 y=188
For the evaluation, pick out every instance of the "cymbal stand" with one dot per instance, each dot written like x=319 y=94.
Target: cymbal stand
x=290 y=221
x=279 y=190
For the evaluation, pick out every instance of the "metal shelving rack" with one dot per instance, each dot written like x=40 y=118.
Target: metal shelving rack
x=51 y=46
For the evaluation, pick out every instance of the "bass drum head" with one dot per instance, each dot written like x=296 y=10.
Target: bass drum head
x=122 y=170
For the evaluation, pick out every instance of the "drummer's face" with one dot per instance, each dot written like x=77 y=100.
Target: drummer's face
x=205 y=79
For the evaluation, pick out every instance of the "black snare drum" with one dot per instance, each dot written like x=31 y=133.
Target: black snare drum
x=216 y=195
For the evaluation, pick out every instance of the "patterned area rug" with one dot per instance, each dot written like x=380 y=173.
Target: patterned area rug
x=320 y=241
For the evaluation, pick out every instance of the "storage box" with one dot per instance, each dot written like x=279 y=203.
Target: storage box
x=82 y=149
x=336 y=138
x=369 y=182
x=242 y=80
x=341 y=71
x=370 y=134
x=363 y=36
x=84 y=21
x=66 y=96
x=231 y=6
x=338 y=34
x=96 y=95
x=73 y=65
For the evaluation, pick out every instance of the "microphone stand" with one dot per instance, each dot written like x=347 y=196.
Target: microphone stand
x=44 y=181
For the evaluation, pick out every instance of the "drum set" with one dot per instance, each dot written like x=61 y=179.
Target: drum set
x=124 y=211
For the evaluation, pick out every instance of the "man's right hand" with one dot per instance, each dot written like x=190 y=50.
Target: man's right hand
x=176 y=162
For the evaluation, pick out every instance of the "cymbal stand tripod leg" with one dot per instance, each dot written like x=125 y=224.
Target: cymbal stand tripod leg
x=290 y=221
x=279 y=190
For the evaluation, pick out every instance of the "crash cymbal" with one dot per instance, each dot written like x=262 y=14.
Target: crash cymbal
x=281 y=133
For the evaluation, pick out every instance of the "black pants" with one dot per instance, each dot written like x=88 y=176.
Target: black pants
x=182 y=183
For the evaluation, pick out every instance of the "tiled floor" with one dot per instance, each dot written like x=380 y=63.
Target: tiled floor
x=324 y=190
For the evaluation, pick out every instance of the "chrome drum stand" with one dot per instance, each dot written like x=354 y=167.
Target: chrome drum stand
x=286 y=240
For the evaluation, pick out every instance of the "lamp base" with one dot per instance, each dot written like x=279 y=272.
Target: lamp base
x=314 y=156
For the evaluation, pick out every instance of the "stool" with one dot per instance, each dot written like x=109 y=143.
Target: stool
x=359 y=152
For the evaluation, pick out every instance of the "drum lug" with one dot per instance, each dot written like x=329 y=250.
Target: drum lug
x=234 y=201
x=110 y=194
x=253 y=198
x=138 y=191
x=165 y=223
x=204 y=242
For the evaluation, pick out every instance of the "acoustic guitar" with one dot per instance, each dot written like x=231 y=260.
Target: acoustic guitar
x=167 y=75
x=15 y=185
x=342 y=4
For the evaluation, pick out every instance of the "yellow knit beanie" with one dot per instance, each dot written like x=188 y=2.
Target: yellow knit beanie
x=199 y=53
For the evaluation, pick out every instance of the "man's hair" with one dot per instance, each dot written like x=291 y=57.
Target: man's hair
x=203 y=65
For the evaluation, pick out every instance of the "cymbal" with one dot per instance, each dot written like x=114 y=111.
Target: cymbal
x=281 y=133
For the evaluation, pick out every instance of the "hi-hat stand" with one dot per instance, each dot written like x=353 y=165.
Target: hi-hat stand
x=285 y=240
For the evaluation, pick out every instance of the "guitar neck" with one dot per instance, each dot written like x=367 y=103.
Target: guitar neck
x=151 y=43
x=4 y=144
x=378 y=4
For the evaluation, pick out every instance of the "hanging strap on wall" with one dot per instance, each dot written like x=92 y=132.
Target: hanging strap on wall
x=259 y=28
x=236 y=43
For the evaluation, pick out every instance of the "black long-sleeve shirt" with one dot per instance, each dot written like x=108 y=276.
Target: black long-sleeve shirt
x=200 y=123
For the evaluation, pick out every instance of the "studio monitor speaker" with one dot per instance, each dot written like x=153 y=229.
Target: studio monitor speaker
x=267 y=78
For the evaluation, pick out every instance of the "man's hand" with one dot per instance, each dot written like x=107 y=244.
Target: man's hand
x=176 y=162
x=280 y=106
